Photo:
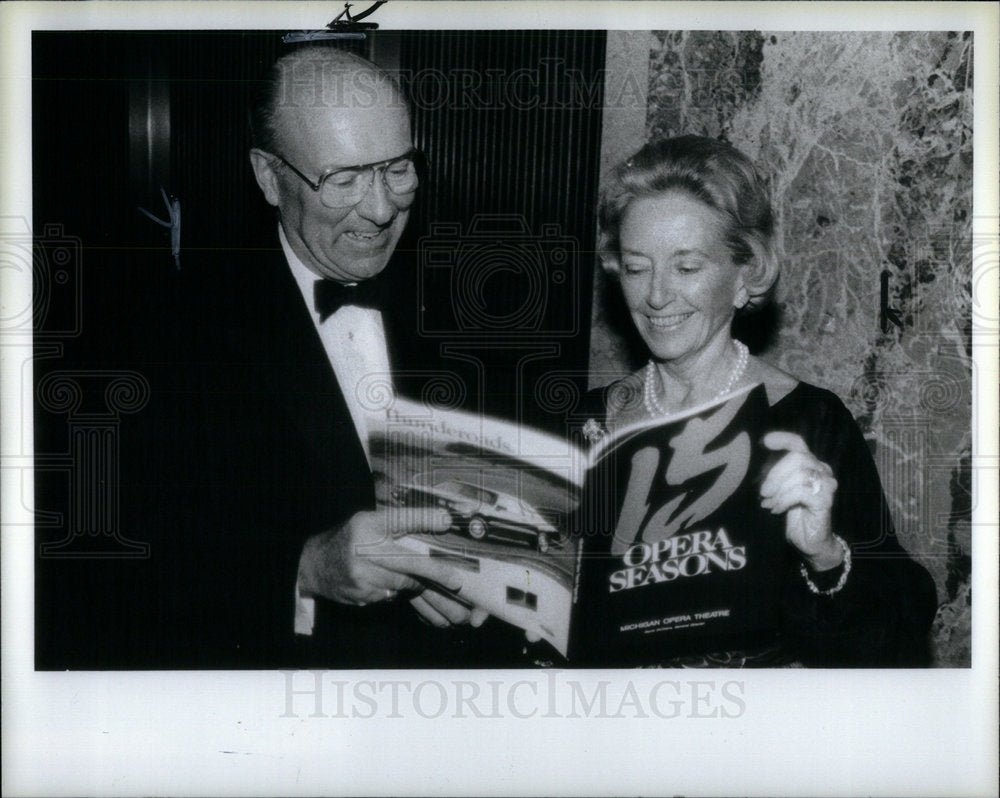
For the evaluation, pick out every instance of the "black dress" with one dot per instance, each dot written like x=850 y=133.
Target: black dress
x=882 y=615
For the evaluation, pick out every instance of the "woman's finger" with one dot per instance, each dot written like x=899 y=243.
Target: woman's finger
x=784 y=440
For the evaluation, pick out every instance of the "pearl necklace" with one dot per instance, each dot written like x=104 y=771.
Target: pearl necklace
x=653 y=406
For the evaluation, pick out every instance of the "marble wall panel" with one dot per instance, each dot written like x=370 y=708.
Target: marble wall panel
x=867 y=139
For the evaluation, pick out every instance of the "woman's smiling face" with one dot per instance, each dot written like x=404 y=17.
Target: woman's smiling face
x=677 y=274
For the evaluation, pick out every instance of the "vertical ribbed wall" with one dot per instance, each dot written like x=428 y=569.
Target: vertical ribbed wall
x=510 y=121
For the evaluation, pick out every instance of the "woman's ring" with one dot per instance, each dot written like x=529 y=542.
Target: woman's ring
x=812 y=482
x=389 y=594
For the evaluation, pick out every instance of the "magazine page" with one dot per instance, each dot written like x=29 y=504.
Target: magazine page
x=619 y=435
x=677 y=552
x=510 y=492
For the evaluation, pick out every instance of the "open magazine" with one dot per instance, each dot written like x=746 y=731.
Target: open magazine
x=628 y=552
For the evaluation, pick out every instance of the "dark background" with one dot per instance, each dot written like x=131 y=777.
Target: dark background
x=507 y=209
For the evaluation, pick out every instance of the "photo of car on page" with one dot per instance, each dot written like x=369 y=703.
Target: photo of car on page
x=481 y=513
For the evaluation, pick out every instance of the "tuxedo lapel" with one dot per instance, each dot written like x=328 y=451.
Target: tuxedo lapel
x=314 y=400
x=305 y=395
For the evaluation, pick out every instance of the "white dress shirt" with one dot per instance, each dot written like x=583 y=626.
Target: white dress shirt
x=354 y=341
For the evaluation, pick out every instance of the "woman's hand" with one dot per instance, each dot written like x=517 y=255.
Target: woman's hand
x=803 y=487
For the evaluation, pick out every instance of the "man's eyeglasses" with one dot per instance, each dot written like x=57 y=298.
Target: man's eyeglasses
x=342 y=188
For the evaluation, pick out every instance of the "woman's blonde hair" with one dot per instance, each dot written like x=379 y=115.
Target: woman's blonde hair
x=713 y=172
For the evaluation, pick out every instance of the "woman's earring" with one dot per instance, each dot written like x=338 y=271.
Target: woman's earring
x=742 y=298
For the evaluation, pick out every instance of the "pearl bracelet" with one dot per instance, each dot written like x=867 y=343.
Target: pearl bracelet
x=843 y=577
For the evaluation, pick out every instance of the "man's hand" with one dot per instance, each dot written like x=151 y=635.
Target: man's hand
x=361 y=563
x=442 y=611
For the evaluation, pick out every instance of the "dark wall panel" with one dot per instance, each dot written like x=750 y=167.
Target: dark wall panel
x=510 y=121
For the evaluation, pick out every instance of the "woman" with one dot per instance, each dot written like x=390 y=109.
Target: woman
x=687 y=229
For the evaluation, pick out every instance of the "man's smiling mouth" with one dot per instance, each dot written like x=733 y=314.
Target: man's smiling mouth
x=357 y=235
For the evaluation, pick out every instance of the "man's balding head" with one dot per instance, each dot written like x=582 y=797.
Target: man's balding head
x=316 y=76
x=323 y=110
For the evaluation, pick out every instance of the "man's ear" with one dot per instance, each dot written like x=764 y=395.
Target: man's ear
x=267 y=177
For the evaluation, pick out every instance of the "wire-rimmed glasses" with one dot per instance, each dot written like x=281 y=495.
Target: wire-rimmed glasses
x=347 y=186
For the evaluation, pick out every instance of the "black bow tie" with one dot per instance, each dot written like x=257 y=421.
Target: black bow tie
x=329 y=296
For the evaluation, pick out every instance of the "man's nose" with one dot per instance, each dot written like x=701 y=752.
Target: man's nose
x=376 y=205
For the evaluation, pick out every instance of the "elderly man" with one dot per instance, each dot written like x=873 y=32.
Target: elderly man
x=247 y=472
x=333 y=154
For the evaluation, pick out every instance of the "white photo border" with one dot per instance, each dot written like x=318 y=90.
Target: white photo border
x=783 y=732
